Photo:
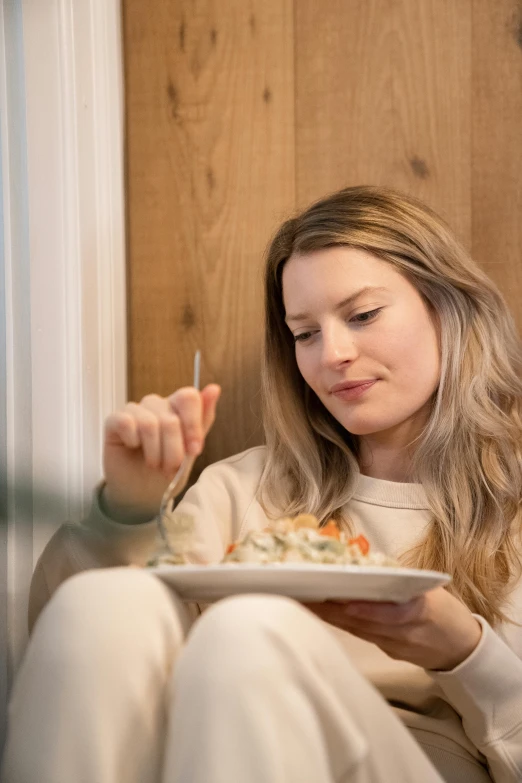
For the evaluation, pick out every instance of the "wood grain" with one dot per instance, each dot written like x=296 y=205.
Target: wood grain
x=383 y=97
x=497 y=145
x=237 y=111
x=210 y=174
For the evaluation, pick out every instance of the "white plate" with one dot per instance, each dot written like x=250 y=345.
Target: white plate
x=304 y=582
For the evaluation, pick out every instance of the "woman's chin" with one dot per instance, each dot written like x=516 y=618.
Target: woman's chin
x=364 y=427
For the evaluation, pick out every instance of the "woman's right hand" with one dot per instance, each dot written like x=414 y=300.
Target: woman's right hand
x=146 y=443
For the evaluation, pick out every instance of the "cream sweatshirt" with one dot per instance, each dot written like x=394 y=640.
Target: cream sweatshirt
x=473 y=711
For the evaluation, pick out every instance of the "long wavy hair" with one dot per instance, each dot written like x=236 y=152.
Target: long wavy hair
x=468 y=457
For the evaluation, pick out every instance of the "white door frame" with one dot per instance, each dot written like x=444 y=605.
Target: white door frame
x=62 y=271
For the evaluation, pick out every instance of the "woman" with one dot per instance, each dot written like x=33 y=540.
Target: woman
x=392 y=400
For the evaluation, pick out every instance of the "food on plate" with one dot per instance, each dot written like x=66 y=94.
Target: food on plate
x=289 y=540
x=180 y=534
x=301 y=540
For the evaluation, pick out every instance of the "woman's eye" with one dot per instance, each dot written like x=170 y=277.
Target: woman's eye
x=364 y=318
x=361 y=318
x=301 y=338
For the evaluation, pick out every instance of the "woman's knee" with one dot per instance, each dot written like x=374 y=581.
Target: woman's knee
x=105 y=611
x=247 y=614
x=238 y=633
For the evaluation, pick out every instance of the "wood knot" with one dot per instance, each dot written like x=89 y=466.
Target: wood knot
x=188 y=318
x=267 y=95
x=419 y=167
x=172 y=95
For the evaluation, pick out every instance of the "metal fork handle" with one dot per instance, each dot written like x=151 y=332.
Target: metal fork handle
x=169 y=494
x=184 y=468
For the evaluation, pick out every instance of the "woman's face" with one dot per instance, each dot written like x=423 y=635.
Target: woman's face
x=356 y=319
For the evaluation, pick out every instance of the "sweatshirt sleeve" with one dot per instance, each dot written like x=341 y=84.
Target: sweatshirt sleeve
x=486 y=691
x=95 y=542
x=218 y=502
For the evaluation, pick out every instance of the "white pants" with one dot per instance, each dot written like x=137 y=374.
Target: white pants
x=261 y=692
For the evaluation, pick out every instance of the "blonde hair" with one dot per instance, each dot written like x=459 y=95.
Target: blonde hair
x=468 y=457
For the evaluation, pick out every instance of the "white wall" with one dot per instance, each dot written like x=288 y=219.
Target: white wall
x=62 y=273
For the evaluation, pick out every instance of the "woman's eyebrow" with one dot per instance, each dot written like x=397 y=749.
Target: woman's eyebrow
x=349 y=299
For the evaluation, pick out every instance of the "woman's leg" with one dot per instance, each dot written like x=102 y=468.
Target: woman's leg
x=91 y=700
x=263 y=693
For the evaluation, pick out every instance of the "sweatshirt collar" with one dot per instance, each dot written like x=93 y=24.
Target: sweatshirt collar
x=390 y=493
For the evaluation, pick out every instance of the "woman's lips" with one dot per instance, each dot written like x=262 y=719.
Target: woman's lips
x=354 y=392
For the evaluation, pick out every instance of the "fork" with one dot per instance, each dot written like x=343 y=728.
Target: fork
x=179 y=478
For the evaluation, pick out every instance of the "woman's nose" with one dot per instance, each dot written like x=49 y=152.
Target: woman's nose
x=338 y=347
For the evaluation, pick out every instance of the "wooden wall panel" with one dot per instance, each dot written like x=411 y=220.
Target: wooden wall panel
x=383 y=97
x=210 y=166
x=496 y=192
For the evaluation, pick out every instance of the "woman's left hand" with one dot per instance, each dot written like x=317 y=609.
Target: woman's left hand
x=435 y=630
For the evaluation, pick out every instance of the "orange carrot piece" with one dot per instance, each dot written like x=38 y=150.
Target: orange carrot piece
x=230 y=548
x=331 y=530
x=362 y=543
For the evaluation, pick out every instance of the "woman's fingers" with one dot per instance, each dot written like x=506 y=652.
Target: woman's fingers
x=166 y=429
x=188 y=405
x=151 y=426
x=121 y=427
x=147 y=424
x=197 y=411
x=170 y=436
x=172 y=445
x=210 y=396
